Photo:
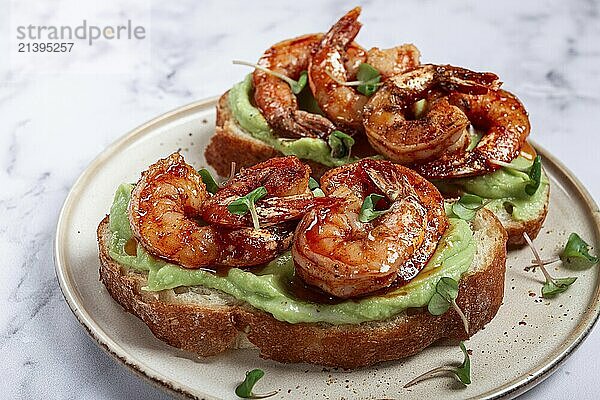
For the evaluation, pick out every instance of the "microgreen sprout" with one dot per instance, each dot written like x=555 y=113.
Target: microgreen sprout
x=577 y=253
x=552 y=286
x=244 y=389
x=370 y=76
x=368 y=79
x=548 y=261
x=446 y=292
x=467 y=206
x=340 y=144
x=211 y=185
x=231 y=171
x=296 y=86
x=242 y=205
x=535 y=176
x=313 y=185
x=534 y=172
x=367 y=211
x=462 y=372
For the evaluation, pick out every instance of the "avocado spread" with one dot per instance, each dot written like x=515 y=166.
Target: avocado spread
x=249 y=118
x=269 y=288
x=505 y=188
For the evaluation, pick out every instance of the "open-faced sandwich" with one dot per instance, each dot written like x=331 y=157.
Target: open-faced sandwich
x=372 y=259
x=425 y=176
x=325 y=99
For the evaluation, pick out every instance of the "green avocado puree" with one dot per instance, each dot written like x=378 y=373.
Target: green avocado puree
x=249 y=118
x=268 y=289
x=505 y=188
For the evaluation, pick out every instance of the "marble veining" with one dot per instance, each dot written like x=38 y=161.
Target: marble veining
x=57 y=116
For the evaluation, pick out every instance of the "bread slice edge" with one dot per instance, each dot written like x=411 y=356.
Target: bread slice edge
x=208 y=322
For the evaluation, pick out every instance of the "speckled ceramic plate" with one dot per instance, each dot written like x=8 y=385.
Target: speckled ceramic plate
x=524 y=343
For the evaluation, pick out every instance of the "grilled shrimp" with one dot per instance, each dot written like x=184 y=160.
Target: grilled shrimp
x=163 y=212
x=440 y=130
x=288 y=195
x=505 y=125
x=327 y=73
x=275 y=98
x=336 y=252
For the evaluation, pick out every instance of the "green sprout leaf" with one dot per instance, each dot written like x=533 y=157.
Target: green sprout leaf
x=577 y=253
x=463 y=372
x=340 y=144
x=533 y=172
x=242 y=205
x=438 y=305
x=313 y=185
x=467 y=206
x=446 y=292
x=448 y=288
x=367 y=211
x=211 y=185
x=244 y=389
x=296 y=86
x=535 y=176
x=552 y=287
x=369 y=78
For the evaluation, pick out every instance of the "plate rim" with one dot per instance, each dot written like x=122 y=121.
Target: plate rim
x=109 y=346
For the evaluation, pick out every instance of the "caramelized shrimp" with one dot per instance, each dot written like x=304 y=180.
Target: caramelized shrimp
x=288 y=195
x=274 y=96
x=163 y=212
x=340 y=103
x=336 y=252
x=443 y=125
x=505 y=125
x=327 y=73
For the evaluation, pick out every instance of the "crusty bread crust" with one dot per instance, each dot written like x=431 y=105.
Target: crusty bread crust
x=209 y=328
x=515 y=229
x=203 y=330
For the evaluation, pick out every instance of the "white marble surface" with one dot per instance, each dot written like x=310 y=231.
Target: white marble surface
x=59 y=111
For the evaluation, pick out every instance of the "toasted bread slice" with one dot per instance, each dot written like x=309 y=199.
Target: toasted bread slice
x=208 y=322
x=230 y=143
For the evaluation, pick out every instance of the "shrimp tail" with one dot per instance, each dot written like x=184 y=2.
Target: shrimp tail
x=344 y=31
x=329 y=70
x=275 y=211
x=314 y=124
x=301 y=124
x=392 y=192
x=456 y=79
